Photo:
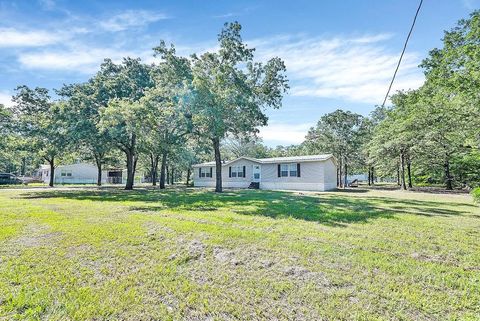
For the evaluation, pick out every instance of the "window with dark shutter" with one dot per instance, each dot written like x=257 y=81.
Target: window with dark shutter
x=298 y=170
x=211 y=171
x=199 y=172
x=229 y=171
x=244 y=171
x=279 y=173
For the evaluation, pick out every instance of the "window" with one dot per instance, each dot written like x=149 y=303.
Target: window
x=208 y=172
x=289 y=170
x=205 y=172
x=65 y=173
x=236 y=171
x=256 y=172
x=293 y=170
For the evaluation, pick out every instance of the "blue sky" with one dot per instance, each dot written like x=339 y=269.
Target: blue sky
x=339 y=54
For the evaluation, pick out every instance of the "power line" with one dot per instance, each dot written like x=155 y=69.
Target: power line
x=403 y=51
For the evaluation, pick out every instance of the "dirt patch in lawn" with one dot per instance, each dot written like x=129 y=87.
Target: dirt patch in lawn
x=156 y=230
x=35 y=235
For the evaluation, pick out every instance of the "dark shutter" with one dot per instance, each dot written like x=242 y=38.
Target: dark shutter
x=229 y=171
x=199 y=172
x=279 y=174
x=211 y=171
x=244 y=171
x=298 y=169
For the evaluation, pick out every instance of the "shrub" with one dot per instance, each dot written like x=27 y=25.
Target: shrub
x=476 y=195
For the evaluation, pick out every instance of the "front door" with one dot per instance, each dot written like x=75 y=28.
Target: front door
x=256 y=173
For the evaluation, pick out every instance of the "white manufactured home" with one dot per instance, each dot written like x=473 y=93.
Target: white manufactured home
x=81 y=173
x=309 y=173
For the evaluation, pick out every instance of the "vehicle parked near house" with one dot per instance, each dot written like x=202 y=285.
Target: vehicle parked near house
x=9 y=179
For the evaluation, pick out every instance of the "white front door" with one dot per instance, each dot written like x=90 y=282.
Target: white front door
x=256 y=173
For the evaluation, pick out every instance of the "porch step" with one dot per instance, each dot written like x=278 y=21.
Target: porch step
x=254 y=185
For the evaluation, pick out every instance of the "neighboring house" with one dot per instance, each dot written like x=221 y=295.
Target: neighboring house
x=313 y=172
x=81 y=173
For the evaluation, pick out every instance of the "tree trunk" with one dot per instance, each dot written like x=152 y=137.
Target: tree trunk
x=345 y=183
x=373 y=175
x=51 y=161
x=98 y=161
x=338 y=180
x=402 y=162
x=99 y=174
x=218 y=165
x=24 y=166
x=154 y=168
x=188 y=176
x=130 y=170
x=398 y=175
x=369 y=176
x=448 y=178
x=409 y=173
x=172 y=176
x=162 y=170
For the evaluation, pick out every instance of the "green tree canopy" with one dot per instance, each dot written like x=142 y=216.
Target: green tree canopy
x=119 y=89
x=40 y=120
x=232 y=91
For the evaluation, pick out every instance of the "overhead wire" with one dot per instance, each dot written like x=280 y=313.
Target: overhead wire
x=403 y=52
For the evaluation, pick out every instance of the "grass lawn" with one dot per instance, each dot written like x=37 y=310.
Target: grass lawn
x=188 y=254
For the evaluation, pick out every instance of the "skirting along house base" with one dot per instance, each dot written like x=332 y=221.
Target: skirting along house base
x=308 y=173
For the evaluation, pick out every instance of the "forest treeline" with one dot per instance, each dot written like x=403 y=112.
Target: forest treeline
x=166 y=116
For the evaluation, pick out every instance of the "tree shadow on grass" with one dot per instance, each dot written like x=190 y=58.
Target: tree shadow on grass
x=350 y=190
x=328 y=209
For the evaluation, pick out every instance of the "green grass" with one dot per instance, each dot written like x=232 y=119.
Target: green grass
x=476 y=195
x=109 y=254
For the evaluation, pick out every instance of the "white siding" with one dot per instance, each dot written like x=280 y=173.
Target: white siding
x=298 y=186
x=310 y=172
x=81 y=174
x=239 y=181
x=330 y=170
x=204 y=181
x=311 y=177
x=229 y=182
x=314 y=176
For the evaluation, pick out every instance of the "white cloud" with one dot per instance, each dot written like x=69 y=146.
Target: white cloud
x=282 y=133
x=225 y=15
x=80 y=59
x=11 y=37
x=47 y=4
x=353 y=68
x=131 y=19
x=6 y=98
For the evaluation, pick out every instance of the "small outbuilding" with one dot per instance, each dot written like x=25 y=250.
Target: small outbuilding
x=309 y=173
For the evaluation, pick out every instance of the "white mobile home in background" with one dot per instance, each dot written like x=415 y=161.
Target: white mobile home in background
x=81 y=173
x=311 y=173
